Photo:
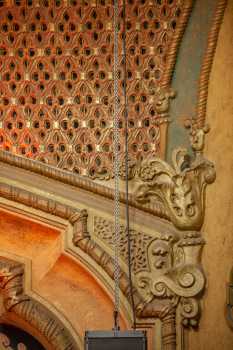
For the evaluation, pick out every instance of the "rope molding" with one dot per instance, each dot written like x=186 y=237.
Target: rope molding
x=174 y=47
x=207 y=64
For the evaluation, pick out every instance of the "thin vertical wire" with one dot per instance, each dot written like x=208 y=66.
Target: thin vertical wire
x=126 y=166
x=116 y=166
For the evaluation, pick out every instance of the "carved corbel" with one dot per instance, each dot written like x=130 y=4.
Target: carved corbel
x=179 y=188
x=174 y=279
x=174 y=270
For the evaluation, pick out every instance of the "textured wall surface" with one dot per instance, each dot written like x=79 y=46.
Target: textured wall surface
x=217 y=260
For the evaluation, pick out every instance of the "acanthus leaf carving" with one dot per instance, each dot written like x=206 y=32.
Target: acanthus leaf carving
x=180 y=188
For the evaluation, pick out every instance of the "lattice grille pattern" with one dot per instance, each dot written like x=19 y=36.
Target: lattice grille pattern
x=56 y=88
x=104 y=229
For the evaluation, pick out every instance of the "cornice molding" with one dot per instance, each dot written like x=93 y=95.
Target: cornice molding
x=77 y=218
x=78 y=181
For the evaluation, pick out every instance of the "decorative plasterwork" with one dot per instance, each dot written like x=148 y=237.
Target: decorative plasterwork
x=175 y=269
x=104 y=228
x=57 y=81
x=77 y=218
x=164 y=308
x=106 y=262
x=166 y=268
x=12 y=283
x=83 y=183
x=207 y=63
x=168 y=275
x=174 y=47
x=156 y=206
x=29 y=309
x=179 y=189
x=81 y=237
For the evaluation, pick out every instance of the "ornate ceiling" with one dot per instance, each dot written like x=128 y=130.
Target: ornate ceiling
x=56 y=92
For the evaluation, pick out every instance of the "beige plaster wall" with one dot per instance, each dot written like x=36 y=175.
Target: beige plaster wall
x=214 y=333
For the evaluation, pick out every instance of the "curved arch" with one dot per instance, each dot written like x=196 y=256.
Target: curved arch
x=26 y=307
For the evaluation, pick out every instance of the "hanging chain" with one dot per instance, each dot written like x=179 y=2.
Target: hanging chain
x=116 y=167
x=129 y=243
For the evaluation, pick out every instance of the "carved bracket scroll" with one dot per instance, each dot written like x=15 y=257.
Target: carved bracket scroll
x=175 y=270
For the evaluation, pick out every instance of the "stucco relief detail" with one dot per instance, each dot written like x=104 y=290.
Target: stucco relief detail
x=57 y=82
x=180 y=188
x=103 y=229
x=16 y=300
x=168 y=268
x=77 y=218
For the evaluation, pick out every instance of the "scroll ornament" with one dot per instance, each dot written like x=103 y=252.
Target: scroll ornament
x=174 y=274
x=179 y=188
x=175 y=266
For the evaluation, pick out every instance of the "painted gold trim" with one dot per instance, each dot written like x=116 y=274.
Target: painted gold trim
x=207 y=64
x=175 y=43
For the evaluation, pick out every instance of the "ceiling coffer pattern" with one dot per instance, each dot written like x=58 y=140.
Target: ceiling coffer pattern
x=56 y=92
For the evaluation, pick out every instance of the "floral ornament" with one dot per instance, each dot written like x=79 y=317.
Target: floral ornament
x=132 y=169
x=147 y=172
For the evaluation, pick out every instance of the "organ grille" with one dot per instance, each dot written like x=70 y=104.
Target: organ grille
x=56 y=87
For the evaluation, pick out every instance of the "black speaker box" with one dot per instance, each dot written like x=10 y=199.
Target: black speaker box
x=115 y=340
